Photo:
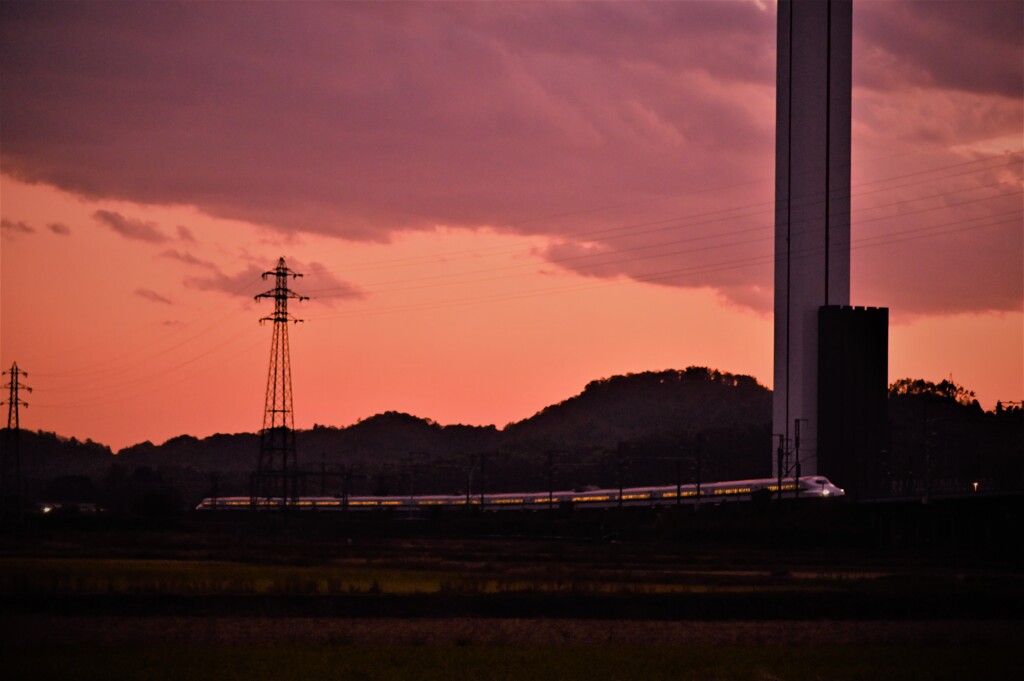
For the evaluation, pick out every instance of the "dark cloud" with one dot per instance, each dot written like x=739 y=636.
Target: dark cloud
x=973 y=46
x=317 y=282
x=60 y=228
x=187 y=258
x=569 y=120
x=360 y=119
x=12 y=227
x=185 y=234
x=152 y=296
x=130 y=228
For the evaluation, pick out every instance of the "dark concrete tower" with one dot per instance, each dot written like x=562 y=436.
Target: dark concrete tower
x=812 y=207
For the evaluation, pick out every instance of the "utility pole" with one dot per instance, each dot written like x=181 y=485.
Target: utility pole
x=779 y=465
x=215 y=488
x=619 y=471
x=700 y=470
x=551 y=481
x=796 y=454
x=346 y=486
x=483 y=463
x=679 y=479
x=10 y=466
x=410 y=484
x=323 y=472
x=276 y=471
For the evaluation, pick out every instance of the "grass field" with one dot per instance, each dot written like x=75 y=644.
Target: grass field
x=513 y=662
x=86 y=607
x=104 y=576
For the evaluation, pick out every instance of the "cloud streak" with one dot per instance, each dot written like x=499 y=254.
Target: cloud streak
x=187 y=258
x=152 y=296
x=250 y=281
x=138 y=230
x=15 y=227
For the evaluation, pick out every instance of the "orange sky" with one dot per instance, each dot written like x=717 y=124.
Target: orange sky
x=458 y=326
x=490 y=209
x=461 y=327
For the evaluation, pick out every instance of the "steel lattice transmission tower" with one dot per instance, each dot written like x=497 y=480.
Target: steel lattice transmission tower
x=10 y=462
x=277 y=472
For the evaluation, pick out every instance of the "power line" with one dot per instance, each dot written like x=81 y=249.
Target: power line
x=661 y=226
x=674 y=273
x=602 y=259
x=630 y=228
x=118 y=361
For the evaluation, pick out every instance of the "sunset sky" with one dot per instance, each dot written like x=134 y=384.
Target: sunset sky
x=492 y=203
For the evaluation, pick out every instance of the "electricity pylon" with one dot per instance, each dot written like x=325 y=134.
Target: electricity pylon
x=10 y=462
x=277 y=476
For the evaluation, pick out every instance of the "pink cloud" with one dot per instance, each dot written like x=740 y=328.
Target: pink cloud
x=152 y=296
x=966 y=46
x=187 y=258
x=639 y=136
x=185 y=234
x=130 y=228
x=15 y=227
x=317 y=282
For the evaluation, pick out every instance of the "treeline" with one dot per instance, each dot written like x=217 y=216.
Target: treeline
x=941 y=441
x=637 y=429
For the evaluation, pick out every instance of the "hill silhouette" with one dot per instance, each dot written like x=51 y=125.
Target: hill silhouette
x=650 y=404
x=635 y=429
x=645 y=417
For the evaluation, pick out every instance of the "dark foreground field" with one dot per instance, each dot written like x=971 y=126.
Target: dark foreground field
x=604 y=597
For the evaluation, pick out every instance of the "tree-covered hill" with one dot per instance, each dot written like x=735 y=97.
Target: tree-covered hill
x=648 y=405
x=941 y=438
x=644 y=428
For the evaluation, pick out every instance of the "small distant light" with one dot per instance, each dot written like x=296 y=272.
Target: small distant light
x=974 y=486
x=47 y=509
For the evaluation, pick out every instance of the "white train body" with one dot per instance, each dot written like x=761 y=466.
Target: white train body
x=665 y=495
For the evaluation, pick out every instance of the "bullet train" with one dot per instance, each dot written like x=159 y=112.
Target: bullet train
x=666 y=495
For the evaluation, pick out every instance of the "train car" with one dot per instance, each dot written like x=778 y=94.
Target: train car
x=664 y=495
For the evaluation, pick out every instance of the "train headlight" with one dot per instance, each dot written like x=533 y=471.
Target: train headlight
x=825 y=492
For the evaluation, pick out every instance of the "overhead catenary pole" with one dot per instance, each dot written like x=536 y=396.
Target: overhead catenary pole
x=796 y=455
x=277 y=475
x=483 y=463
